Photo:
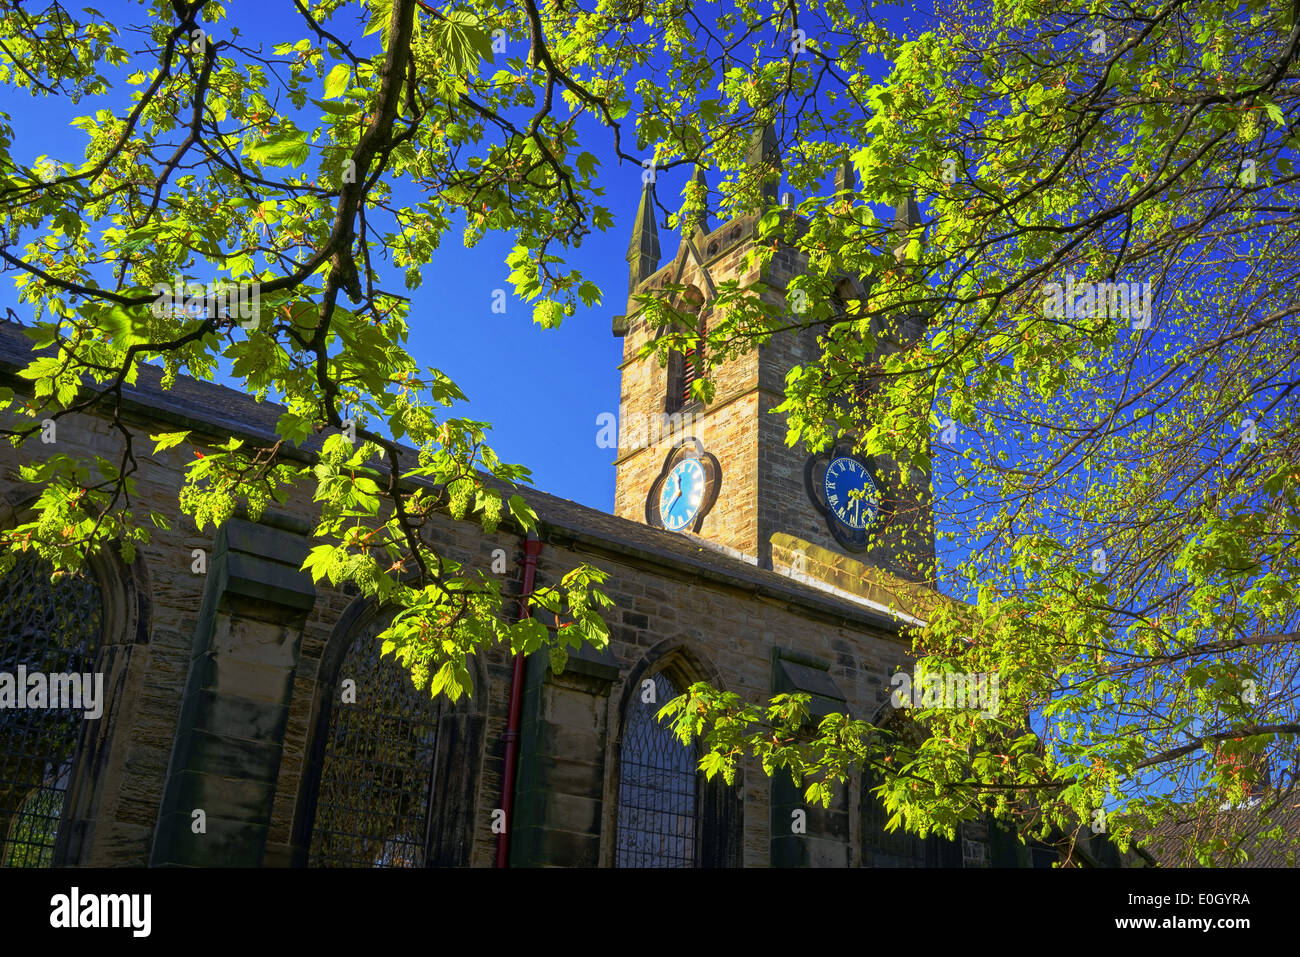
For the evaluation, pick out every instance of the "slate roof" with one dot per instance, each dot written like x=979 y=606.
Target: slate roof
x=1167 y=842
x=222 y=412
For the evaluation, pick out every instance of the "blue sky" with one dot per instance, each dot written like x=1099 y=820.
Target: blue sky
x=541 y=390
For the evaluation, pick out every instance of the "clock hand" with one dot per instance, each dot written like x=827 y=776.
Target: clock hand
x=677 y=482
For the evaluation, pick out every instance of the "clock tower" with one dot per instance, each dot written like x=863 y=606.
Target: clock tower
x=722 y=470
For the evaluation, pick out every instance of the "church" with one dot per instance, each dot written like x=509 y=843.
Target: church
x=247 y=718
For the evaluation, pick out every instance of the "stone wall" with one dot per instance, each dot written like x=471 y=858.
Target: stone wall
x=241 y=746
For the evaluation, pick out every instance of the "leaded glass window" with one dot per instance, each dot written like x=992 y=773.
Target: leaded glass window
x=883 y=848
x=376 y=783
x=657 y=794
x=50 y=628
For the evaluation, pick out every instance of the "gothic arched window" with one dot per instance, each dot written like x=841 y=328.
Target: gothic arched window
x=658 y=794
x=881 y=848
x=374 y=802
x=46 y=628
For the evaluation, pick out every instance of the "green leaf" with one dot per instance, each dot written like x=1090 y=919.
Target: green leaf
x=42 y=367
x=381 y=17
x=338 y=109
x=336 y=82
x=532 y=634
x=281 y=149
x=167 y=440
x=524 y=515
x=447 y=681
x=460 y=38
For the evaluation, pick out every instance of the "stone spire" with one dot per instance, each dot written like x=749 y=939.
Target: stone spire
x=763 y=155
x=845 y=179
x=907 y=217
x=643 y=250
x=698 y=187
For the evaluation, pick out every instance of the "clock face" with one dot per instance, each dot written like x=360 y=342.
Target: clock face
x=681 y=495
x=845 y=475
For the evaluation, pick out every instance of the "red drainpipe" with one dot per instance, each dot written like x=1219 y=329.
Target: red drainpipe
x=532 y=548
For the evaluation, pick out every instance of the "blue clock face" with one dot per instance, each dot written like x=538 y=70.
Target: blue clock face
x=682 y=494
x=843 y=476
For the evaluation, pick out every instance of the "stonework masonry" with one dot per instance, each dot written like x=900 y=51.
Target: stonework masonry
x=763 y=490
x=223 y=682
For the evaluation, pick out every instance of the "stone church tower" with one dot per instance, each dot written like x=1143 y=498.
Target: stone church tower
x=762 y=500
